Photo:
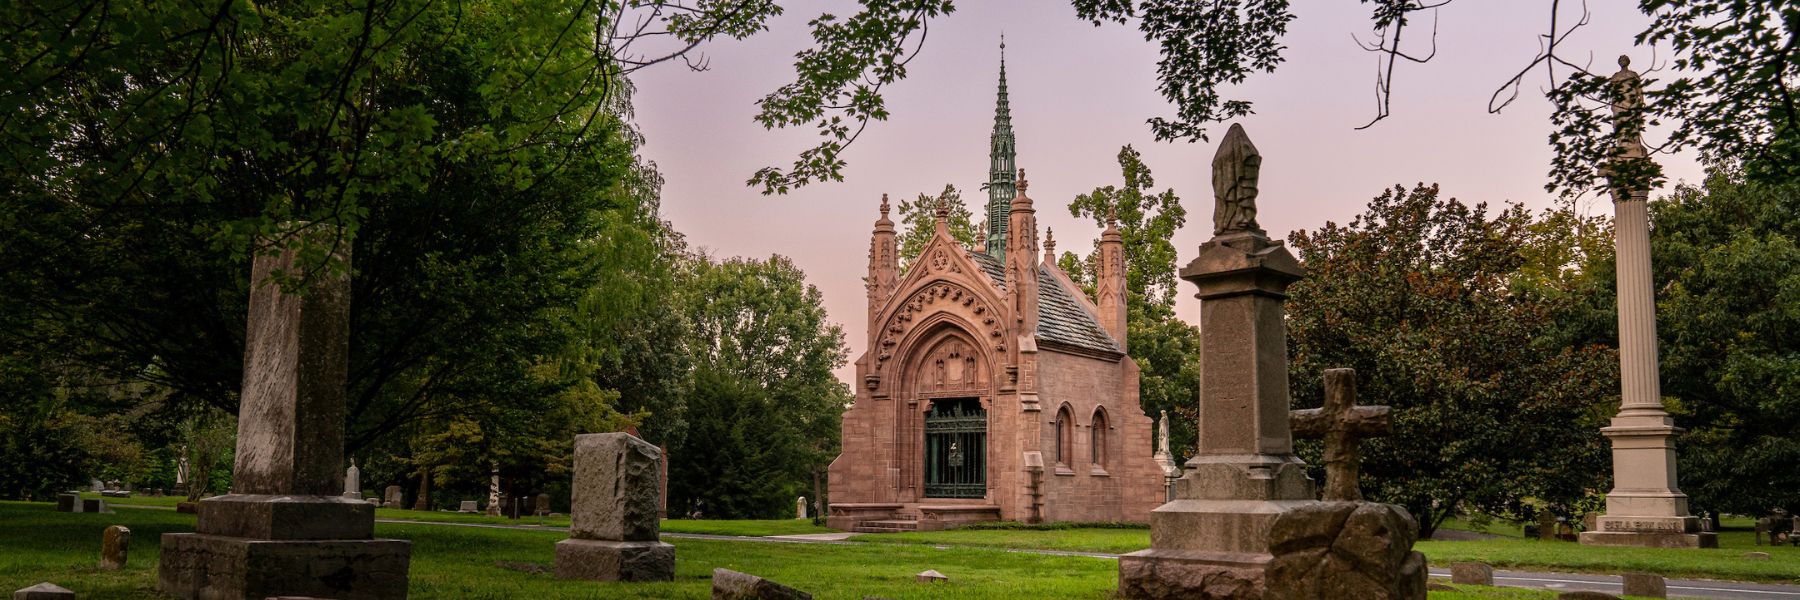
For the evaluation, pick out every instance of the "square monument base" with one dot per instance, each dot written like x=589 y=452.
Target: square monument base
x=1179 y=574
x=215 y=567
x=1650 y=539
x=607 y=560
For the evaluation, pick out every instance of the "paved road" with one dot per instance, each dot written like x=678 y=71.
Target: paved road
x=1678 y=588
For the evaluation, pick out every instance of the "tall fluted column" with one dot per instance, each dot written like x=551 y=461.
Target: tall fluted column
x=1645 y=507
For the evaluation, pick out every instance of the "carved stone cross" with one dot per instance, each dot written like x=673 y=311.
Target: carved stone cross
x=1342 y=424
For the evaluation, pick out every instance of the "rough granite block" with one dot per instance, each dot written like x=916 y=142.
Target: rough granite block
x=617 y=492
x=218 y=567
x=606 y=560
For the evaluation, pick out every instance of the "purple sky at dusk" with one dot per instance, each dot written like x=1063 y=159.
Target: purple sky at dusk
x=1078 y=94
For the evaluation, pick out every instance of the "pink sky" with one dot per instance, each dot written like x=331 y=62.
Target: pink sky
x=1078 y=94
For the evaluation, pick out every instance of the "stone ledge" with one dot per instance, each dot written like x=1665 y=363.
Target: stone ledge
x=604 y=560
x=1176 y=574
x=266 y=517
x=1650 y=540
x=197 y=565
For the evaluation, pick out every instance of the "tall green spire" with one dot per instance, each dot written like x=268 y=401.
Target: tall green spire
x=1002 y=166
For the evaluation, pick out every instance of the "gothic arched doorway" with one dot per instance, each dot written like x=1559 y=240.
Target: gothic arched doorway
x=956 y=449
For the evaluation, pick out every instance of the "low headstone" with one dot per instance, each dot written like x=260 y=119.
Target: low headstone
x=732 y=585
x=1546 y=525
x=44 y=591
x=94 y=505
x=1585 y=595
x=392 y=497
x=931 y=576
x=1438 y=586
x=1707 y=524
x=115 y=548
x=543 y=506
x=1471 y=573
x=613 y=526
x=1756 y=556
x=1646 y=584
x=187 y=508
x=69 y=502
x=1345 y=550
x=1565 y=531
x=467 y=506
x=800 y=507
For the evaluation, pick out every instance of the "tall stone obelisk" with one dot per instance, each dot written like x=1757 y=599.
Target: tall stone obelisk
x=1212 y=540
x=1644 y=508
x=286 y=529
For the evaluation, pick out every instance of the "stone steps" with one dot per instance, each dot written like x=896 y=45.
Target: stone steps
x=898 y=526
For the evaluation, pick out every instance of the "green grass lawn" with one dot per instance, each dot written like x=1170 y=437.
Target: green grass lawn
x=39 y=544
x=1111 y=541
x=1726 y=562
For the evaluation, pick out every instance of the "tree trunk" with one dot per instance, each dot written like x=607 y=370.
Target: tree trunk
x=818 y=499
x=424 y=502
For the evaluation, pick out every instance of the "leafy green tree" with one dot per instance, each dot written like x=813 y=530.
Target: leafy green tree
x=918 y=222
x=1423 y=297
x=41 y=449
x=765 y=408
x=1166 y=348
x=1726 y=257
x=470 y=153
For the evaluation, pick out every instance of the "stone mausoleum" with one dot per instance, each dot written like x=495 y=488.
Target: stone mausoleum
x=993 y=387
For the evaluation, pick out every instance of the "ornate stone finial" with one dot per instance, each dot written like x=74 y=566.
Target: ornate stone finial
x=981 y=236
x=1022 y=184
x=943 y=208
x=1236 y=168
x=884 y=206
x=1050 y=243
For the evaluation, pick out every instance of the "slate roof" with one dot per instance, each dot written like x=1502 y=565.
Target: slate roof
x=1061 y=318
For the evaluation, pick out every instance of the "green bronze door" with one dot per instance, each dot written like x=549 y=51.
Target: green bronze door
x=956 y=449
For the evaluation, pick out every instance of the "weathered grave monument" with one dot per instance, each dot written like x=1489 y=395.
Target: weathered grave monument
x=1644 y=508
x=613 y=524
x=353 y=481
x=286 y=529
x=1243 y=523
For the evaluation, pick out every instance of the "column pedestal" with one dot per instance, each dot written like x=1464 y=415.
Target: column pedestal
x=1644 y=509
x=1212 y=540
